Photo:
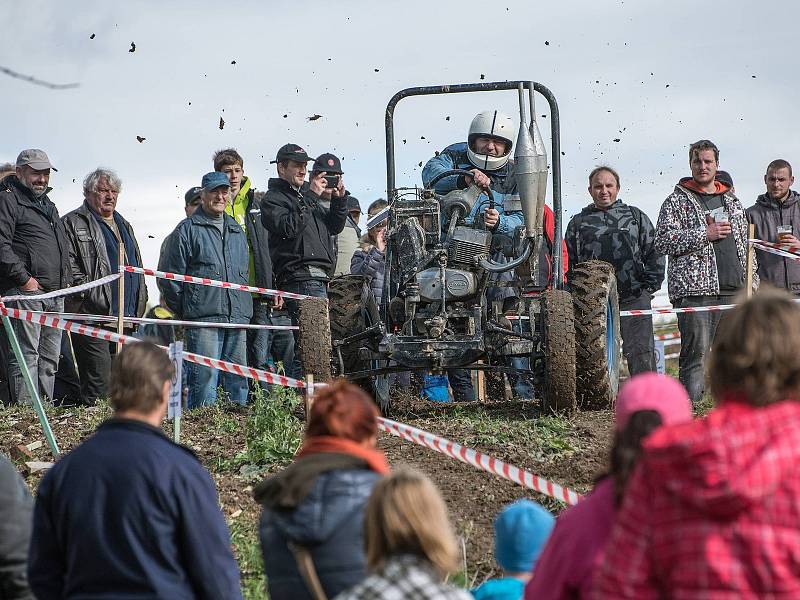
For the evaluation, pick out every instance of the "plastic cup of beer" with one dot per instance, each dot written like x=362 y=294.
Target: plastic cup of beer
x=722 y=217
x=784 y=230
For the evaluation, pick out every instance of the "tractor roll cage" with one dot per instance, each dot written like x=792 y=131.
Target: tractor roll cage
x=555 y=137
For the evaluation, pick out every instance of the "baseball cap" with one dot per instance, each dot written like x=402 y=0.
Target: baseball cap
x=192 y=195
x=35 y=159
x=352 y=204
x=656 y=392
x=329 y=163
x=214 y=180
x=724 y=177
x=291 y=152
x=520 y=532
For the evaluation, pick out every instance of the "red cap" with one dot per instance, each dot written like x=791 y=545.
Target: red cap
x=652 y=391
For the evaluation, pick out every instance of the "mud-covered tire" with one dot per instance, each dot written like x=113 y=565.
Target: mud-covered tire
x=597 y=333
x=558 y=344
x=352 y=309
x=314 y=339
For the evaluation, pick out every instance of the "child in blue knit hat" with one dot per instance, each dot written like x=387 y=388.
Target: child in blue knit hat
x=520 y=532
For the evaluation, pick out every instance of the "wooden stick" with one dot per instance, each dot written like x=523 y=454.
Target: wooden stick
x=751 y=234
x=120 y=293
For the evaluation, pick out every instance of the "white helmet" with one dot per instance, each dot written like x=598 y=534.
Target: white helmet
x=490 y=123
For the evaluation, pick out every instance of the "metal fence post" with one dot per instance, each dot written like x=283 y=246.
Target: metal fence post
x=32 y=387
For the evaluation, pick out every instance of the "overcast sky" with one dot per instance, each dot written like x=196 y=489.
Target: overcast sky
x=636 y=83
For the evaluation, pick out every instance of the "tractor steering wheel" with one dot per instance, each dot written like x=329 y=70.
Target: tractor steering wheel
x=436 y=179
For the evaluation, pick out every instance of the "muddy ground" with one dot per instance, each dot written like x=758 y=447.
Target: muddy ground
x=571 y=452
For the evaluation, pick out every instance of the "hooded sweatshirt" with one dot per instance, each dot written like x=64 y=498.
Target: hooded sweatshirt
x=712 y=511
x=766 y=214
x=695 y=266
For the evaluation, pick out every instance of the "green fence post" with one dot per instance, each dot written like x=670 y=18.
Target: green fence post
x=32 y=388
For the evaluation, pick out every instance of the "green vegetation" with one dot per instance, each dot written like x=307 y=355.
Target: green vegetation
x=247 y=548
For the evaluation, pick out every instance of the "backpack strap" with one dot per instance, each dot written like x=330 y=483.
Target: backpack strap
x=305 y=564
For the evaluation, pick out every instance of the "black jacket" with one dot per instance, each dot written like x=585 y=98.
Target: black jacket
x=33 y=242
x=623 y=236
x=16 y=508
x=89 y=259
x=258 y=236
x=130 y=514
x=766 y=214
x=300 y=231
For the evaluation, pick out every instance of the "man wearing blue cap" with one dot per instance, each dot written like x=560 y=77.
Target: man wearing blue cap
x=210 y=244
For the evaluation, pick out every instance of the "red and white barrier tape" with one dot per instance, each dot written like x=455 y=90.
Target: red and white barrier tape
x=668 y=336
x=110 y=336
x=130 y=320
x=64 y=291
x=778 y=249
x=214 y=283
x=670 y=311
x=792 y=249
x=479 y=460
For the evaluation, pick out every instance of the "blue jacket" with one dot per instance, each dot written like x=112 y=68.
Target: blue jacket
x=130 y=515
x=503 y=185
x=370 y=262
x=329 y=521
x=196 y=248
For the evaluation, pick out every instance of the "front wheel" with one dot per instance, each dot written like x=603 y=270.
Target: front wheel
x=558 y=346
x=597 y=333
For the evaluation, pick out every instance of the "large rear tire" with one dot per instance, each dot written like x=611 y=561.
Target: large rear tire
x=558 y=344
x=352 y=309
x=314 y=339
x=597 y=333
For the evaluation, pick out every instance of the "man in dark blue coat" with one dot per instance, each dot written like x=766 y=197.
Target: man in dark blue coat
x=128 y=513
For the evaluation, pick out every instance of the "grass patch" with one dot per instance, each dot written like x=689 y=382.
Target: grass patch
x=272 y=431
x=247 y=549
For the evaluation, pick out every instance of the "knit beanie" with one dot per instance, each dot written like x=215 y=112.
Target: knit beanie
x=520 y=532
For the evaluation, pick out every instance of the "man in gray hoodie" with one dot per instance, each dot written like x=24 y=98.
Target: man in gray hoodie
x=776 y=216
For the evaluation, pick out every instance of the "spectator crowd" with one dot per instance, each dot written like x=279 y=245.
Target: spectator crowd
x=685 y=508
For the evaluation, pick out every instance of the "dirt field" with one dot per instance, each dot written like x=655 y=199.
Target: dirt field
x=239 y=450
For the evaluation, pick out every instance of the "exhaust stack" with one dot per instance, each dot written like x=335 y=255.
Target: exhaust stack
x=530 y=170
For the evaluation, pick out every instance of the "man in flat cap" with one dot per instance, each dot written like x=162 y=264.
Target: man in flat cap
x=34 y=259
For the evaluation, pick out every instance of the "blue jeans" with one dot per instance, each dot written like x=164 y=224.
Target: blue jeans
x=523 y=388
x=310 y=287
x=224 y=344
x=267 y=347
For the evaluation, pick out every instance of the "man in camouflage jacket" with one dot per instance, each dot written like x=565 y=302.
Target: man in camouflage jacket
x=702 y=227
x=622 y=235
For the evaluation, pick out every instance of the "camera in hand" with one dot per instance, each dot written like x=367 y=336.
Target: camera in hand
x=331 y=181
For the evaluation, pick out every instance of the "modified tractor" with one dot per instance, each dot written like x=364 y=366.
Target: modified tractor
x=435 y=313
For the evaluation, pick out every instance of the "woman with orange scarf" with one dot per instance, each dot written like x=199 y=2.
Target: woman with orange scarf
x=313 y=511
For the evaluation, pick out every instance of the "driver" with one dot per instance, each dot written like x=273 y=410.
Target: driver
x=487 y=155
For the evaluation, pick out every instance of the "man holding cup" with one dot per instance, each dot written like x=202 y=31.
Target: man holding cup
x=702 y=227
x=776 y=217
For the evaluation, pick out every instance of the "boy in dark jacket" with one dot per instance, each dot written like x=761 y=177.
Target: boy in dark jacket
x=128 y=513
x=265 y=347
